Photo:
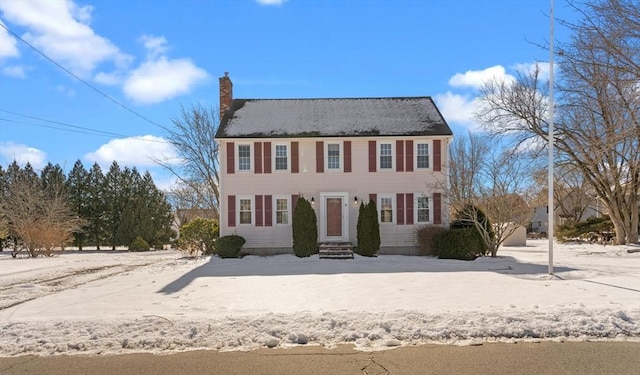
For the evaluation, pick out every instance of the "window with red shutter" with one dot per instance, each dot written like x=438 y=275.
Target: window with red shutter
x=347 y=156
x=257 y=155
x=259 y=211
x=399 y=156
x=231 y=158
x=437 y=155
x=231 y=210
x=295 y=168
x=372 y=156
x=267 y=157
x=319 y=157
x=437 y=208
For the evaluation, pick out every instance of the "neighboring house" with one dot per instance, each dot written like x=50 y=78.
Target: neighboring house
x=336 y=153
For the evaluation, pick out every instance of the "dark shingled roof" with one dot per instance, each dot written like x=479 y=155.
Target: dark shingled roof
x=283 y=118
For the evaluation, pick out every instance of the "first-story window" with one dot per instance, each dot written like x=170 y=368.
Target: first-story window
x=244 y=157
x=423 y=209
x=281 y=158
x=386 y=210
x=386 y=158
x=282 y=211
x=245 y=211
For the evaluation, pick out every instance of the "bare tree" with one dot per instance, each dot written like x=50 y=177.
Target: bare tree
x=498 y=182
x=193 y=137
x=597 y=127
x=41 y=218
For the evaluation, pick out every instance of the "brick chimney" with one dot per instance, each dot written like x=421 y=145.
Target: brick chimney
x=226 y=94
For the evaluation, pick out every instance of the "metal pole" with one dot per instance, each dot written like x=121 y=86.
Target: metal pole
x=551 y=208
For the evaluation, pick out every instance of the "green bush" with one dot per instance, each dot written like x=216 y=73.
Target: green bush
x=139 y=244
x=305 y=229
x=426 y=236
x=462 y=244
x=229 y=246
x=580 y=229
x=465 y=219
x=199 y=235
x=368 y=230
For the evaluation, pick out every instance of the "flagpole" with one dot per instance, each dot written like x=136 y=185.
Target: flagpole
x=550 y=197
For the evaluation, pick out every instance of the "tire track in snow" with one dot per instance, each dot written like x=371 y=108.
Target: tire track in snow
x=29 y=290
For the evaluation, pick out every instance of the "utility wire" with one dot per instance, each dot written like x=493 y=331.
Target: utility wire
x=84 y=130
x=80 y=79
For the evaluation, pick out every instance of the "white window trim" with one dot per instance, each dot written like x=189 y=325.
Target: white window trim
x=251 y=157
x=273 y=157
x=326 y=156
x=394 y=211
x=393 y=155
x=415 y=209
x=253 y=210
x=415 y=154
x=274 y=206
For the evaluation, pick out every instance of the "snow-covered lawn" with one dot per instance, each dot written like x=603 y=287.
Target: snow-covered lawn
x=115 y=302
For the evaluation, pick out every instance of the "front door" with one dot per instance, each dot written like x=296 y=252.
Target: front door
x=334 y=217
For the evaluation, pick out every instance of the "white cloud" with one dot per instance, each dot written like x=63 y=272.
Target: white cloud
x=61 y=30
x=157 y=80
x=477 y=78
x=271 y=2
x=527 y=68
x=14 y=71
x=155 y=45
x=133 y=152
x=8 y=44
x=66 y=90
x=459 y=109
x=110 y=79
x=22 y=154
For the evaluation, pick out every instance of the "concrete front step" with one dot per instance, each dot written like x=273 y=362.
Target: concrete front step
x=336 y=250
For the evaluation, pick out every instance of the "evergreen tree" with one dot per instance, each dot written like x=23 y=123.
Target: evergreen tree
x=52 y=179
x=112 y=193
x=77 y=187
x=368 y=230
x=305 y=229
x=96 y=210
x=159 y=211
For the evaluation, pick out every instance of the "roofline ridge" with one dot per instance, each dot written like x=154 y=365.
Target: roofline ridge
x=338 y=98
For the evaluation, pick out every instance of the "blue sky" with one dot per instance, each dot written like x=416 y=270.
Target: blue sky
x=151 y=57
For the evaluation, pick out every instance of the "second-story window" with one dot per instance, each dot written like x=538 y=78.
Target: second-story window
x=333 y=156
x=386 y=159
x=281 y=158
x=422 y=155
x=244 y=157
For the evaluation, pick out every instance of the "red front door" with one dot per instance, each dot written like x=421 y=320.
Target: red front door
x=334 y=217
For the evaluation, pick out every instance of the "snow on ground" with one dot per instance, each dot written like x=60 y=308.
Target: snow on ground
x=108 y=302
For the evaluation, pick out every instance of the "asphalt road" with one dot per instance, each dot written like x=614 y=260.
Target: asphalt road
x=584 y=358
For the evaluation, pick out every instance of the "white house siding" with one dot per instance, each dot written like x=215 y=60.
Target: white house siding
x=358 y=183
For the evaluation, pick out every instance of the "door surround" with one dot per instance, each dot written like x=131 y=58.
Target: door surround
x=345 y=216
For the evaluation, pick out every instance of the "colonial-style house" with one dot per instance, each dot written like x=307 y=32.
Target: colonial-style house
x=336 y=153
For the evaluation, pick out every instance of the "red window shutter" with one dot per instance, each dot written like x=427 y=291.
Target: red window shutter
x=231 y=210
x=347 y=156
x=268 y=210
x=373 y=198
x=399 y=156
x=295 y=168
x=437 y=208
x=437 y=155
x=400 y=209
x=319 y=157
x=409 y=208
x=294 y=202
x=372 y=156
x=409 y=152
x=231 y=158
x=259 y=211
x=267 y=157
x=257 y=157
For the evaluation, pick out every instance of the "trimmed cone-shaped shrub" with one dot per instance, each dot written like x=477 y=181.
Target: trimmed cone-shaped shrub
x=229 y=246
x=368 y=230
x=305 y=229
x=139 y=244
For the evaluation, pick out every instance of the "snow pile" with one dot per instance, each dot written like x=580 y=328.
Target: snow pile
x=159 y=302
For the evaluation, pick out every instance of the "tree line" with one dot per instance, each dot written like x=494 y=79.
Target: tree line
x=40 y=212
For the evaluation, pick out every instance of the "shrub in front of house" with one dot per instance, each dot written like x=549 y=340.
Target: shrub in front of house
x=229 y=246
x=305 y=229
x=467 y=218
x=139 y=244
x=368 y=230
x=426 y=236
x=462 y=244
x=199 y=235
